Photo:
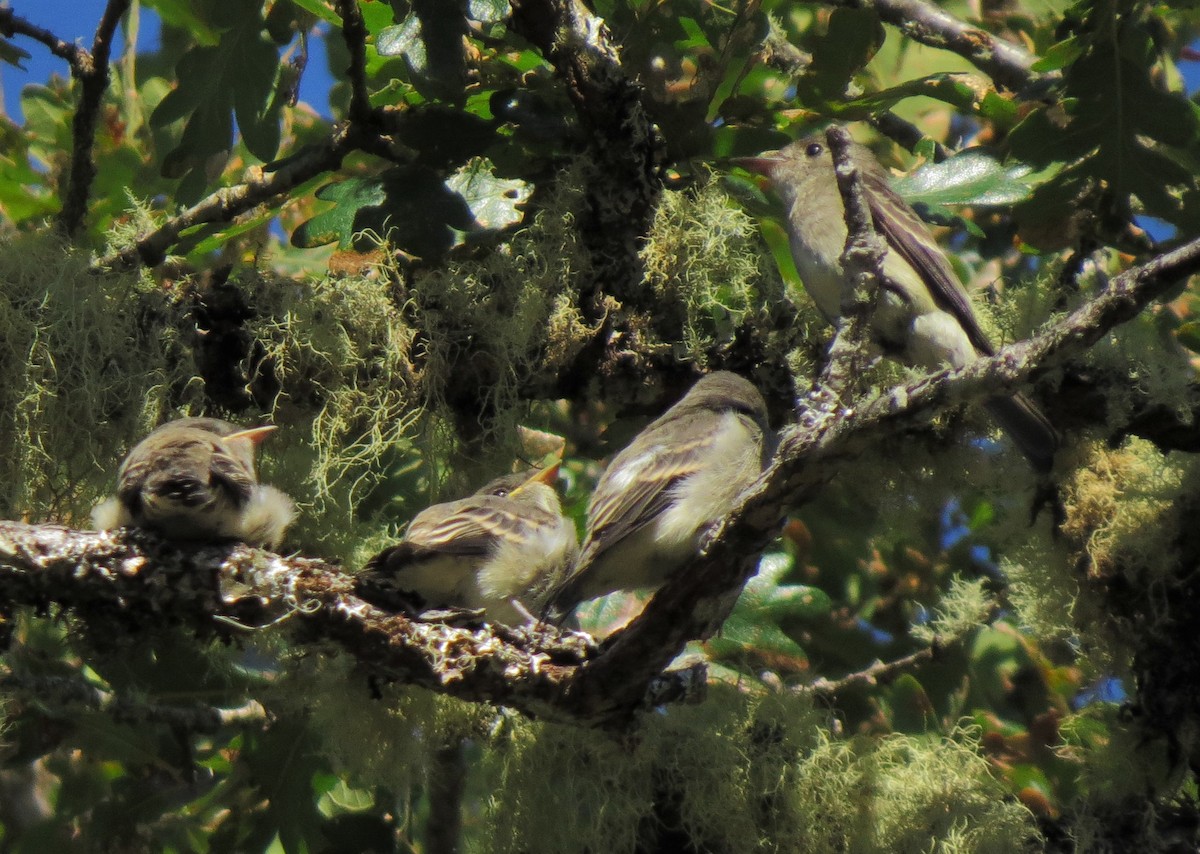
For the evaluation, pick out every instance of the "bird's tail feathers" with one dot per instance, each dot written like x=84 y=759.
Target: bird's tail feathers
x=1028 y=427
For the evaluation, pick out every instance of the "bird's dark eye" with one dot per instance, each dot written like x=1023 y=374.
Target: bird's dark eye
x=814 y=149
x=500 y=492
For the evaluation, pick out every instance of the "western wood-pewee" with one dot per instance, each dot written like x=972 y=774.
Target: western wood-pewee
x=194 y=479
x=500 y=549
x=925 y=316
x=677 y=477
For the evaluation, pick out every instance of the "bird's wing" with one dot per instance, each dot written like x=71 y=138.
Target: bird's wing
x=230 y=472
x=637 y=485
x=892 y=217
x=471 y=526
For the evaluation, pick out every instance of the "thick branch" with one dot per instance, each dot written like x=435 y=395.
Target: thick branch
x=228 y=202
x=91 y=69
x=696 y=599
x=137 y=581
x=1008 y=64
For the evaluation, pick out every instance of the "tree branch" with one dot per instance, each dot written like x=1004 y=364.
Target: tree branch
x=696 y=600
x=879 y=673
x=354 y=33
x=624 y=187
x=12 y=24
x=862 y=265
x=91 y=70
x=1006 y=63
x=228 y=202
x=68 y=691
x=137 y=581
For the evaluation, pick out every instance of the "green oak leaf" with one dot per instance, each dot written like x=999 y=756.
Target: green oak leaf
x=414 y=209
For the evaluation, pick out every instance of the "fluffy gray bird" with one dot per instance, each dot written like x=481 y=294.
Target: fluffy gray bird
x=194 y=479
x=677 y=477
x=501 y=549
x=925 y=316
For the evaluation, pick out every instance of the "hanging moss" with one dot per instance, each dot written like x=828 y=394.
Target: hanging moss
x=87 y=363
x=712 y=278
x=740 y=773
x=908 y=794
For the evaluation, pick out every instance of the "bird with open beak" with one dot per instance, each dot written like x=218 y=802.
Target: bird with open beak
x=500 y=549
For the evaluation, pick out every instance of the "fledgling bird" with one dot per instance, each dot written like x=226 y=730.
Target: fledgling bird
x=659 y=495
x=925 y=317
x=194 y=479
x=501 y=549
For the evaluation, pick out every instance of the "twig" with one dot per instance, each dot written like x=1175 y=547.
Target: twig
x=91 y=69
x=905 y=133
x=354 y=33
x=12 y=24
x=1009 y=65
x=228 y=202
x=862 y=268
x=76 y=691
x=779 y=53
x=879 y=673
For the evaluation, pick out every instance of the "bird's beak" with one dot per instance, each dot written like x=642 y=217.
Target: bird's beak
x=254 y=435
x=763 y=164
x=548 y=476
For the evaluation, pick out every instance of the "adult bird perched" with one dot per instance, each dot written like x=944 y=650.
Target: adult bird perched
x=659 y=495
x=500 y=549
x=194 y=479
x=925 y=315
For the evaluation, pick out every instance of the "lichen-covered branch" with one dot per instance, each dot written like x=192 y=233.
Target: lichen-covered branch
x=140 y=581
x=1008 y=64
x=134 y=581
x=228 y=202
x=862 y=262
x=91 y=70
x=696 y=599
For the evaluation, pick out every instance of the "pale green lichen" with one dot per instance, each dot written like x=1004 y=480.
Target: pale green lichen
x=1121 y=509
x=386 y=740
x=710 y=274
x=962 y=607
x=908 y=794
x=742 y=773
x=341 y=355
x=86 y=365
x=1119 y=503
